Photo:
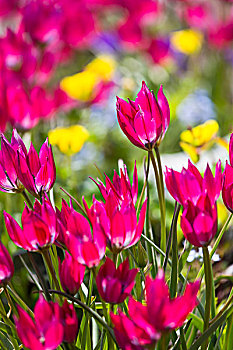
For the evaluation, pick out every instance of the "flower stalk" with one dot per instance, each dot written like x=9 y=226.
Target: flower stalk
x=208 y=284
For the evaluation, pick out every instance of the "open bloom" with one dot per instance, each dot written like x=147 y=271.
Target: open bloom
x=114 y=285
x=117 y=221
x=145 y=120
x=9 y=179
x=189 y=185
x=6 y=265
x=46 y=332
x=71 y=274
x=39 y=227
x=87 y=248
x=199 y=222
x=19 y=168
x=120 y=185
x=146 y=323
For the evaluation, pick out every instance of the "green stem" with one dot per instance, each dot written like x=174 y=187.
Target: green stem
x=46 y=256
x=27 y=199
x=10 y=303
x=208 y=296
x=216 y=243
x=161 y=205
x=145 y=183
x=19 y=301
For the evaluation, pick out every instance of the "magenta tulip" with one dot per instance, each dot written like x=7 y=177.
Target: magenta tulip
x=188 y=185
x=39 y=227
x=199 y=222
x=70 y=322
x=160 y=314
x=71 y=274
x=227 y=189
x=46 y=332
x=145 y=120
x=20 y=169
x=120 y=185
x=117 y=222
x=84 y=247
x=6 y=266
x=114 y=285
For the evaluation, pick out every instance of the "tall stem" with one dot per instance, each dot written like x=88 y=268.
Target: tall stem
x=208 y=284
x=45 y=254
x=159 y=184
x=27 y=199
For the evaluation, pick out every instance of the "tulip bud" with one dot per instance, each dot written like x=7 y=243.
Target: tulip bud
x=71 y=274
x=142 y=256
x=70 y=322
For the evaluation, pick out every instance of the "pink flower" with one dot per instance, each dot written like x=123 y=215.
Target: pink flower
x=6 y=265
x=120 y=185
x=70 y=322
x=114 y=285
x=9 y=179
x=199 y=222
x=188 y=185
x=117 y=221
x=160 y=50
x=46 y=332
x=37 y=173
x=19 y=168
x=145 y=120
x=71 y=274
x=227 y=189
x=146 y=323
x=39 y=227
x=87 y=248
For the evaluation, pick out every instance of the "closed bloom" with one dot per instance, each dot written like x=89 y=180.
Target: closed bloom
x=6 y=265
x=117 y=221
x=71 y=274
x=146 y=323
x=189 y=185
x=120 y=185
x=86 y=247
x=20 y=169
x=199 y=222
x=114 y=285
x=39 y=227
x=46 y=331
x=145 y=120
x=69 y=321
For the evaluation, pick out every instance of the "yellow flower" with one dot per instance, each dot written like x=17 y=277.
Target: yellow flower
x=81 y=86
x=103 y=66
x=69 y=140
x=187 y=41
x=199 y=138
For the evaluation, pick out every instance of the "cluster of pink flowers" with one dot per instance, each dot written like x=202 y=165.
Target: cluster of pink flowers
x=111 y=222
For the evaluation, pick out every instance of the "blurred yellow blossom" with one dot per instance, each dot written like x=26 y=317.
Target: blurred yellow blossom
x=103 y=66
x=82 y=86
x=187 y=41
x=199 y=138
x=69 y=140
